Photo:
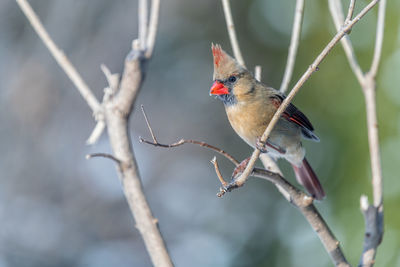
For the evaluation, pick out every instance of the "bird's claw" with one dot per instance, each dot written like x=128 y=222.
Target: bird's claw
x=262 y=146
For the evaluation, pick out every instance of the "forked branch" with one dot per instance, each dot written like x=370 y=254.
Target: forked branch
x=115 y=110
x=239 y=181
x=373 y=214
x=297 y=197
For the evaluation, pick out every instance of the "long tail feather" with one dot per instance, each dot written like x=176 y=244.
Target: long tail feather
x=307 y=178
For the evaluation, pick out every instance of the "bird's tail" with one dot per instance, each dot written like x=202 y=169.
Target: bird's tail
x=307 y=178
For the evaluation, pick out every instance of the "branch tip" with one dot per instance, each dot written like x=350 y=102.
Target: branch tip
x=103 y=155
x=364 y=203
x=148 y=124
x=219 y=175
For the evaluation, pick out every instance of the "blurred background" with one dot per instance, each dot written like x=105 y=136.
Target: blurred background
x=58 y=209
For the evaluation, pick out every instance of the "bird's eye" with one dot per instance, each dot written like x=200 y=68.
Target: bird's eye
x=232 y=79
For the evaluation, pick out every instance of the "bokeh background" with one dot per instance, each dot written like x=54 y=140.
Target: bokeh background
x=58 y=209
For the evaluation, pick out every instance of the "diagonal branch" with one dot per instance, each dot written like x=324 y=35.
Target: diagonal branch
x=153 y=26
x=232 y=33
x=335 y=7
x=373 y=214
x=116 y=109
x=380 y=28
x=142 y=17
x=350 y=11
x=294 y=45
x=239 y=181
x=182 y=142
x=60 y=57
x=293 y=195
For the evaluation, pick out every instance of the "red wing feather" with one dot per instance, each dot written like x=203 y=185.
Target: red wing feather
x=293 y=114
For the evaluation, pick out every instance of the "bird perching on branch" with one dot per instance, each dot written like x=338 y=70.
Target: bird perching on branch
x=250 y=106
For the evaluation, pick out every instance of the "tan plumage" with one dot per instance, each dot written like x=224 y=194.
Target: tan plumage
x=250 y=106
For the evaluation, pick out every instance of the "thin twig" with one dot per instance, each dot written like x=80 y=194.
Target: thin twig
x=113 y=82
x=60 y=57
x=216 y=166
x=350 y=11
x=312 y=68
x=380 y=28
x=153 y=26
x=148 y=124
x=336 y=10
x=143 y=18
x=257 y=73
x=231 y=31
x=183 y=141
x=96 y=133
x=190 y=141
x=294 y=45
x=103 y=155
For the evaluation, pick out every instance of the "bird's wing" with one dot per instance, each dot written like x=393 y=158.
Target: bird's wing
x=294 y=115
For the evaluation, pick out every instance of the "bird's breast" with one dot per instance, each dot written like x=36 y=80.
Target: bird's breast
x=249 y=121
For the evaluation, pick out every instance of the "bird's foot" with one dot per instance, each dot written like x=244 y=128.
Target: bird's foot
x=262 y=146
x=240 y=168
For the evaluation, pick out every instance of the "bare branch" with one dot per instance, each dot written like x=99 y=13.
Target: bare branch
x=373 y=214
x=380 y=28
x=96 y=133
x=294 y=45
x=142 y=17
x=350 y=11
x=60 y=57
x=131 y=81
x=231 y=31
x=153 y=25
x=103 y=155
x=183 y=141
x=305 y=204
x=293 y=195
x=373 y=218
x=257 y=73
x=113 y=82
x=116 y=111
x=216 y=166
x=335 y=7
x=313 y=67
x=148 y=124
x=190 y=141
x=132 y=186
x=372 y=123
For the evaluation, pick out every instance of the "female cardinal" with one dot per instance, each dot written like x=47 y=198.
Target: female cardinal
x=250 y=106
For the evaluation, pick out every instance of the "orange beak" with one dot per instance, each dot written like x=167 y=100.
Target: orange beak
x=218 y=89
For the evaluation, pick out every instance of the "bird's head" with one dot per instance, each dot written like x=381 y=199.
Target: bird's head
x=231 y=80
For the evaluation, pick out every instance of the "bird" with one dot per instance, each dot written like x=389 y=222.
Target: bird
x=250 y=106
